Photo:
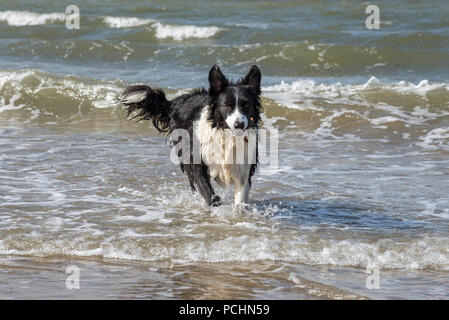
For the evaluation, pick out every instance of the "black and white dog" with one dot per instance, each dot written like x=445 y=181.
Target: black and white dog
x=207 y=115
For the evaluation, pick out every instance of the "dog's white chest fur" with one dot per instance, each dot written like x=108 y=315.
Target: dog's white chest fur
x=218 y=152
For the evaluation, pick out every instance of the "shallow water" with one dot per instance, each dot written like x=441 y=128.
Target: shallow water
x=363 y=164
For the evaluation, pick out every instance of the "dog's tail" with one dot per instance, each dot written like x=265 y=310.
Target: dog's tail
x=151 y=104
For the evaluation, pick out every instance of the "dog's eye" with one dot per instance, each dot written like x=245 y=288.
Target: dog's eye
x=245 y=105
x=227 y=106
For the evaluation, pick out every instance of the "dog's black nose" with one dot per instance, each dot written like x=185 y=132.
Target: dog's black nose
x=239 y=125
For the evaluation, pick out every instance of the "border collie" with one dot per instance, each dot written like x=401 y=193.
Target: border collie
x=207 y=115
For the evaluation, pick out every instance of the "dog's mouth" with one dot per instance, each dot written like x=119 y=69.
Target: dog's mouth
x=225 y=126
x=237 y=132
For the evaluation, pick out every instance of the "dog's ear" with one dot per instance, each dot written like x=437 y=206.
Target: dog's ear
x=217 y=81
x=253 y=78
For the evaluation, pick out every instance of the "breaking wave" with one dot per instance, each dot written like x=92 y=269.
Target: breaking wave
x=26 y=18
x=162 y=31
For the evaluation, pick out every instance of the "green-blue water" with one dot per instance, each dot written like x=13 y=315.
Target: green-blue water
x=362 y=180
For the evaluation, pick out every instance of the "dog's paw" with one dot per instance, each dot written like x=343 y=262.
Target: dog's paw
x=241 y=208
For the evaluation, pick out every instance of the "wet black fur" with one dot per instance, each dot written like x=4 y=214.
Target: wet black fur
x=168 y=115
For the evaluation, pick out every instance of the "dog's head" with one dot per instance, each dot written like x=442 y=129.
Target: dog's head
x=235 y=106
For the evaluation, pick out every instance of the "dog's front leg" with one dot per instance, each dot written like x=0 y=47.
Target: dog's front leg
x=241 y=193
x=202 y=182
x=187 y=168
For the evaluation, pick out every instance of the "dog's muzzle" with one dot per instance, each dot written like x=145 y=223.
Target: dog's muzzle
x=239 y=124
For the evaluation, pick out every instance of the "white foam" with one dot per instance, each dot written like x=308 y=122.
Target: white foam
x=163 y=31
x=181 y=32
x=56 y=223
x=14 y=76
x=249 y=225
x=126 y=22
x=309 y=89
x=252 y=25
x=435 y=139
x=421 y=253
x=27 y=18
x=312 y=89
x=102 y=95
x=109 y=99
x=383 y=120
x=148 y=216
x=354 y=100
x=11 y=105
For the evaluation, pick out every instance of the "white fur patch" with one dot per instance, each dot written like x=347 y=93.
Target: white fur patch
x=236 y=116
x=220 y=158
